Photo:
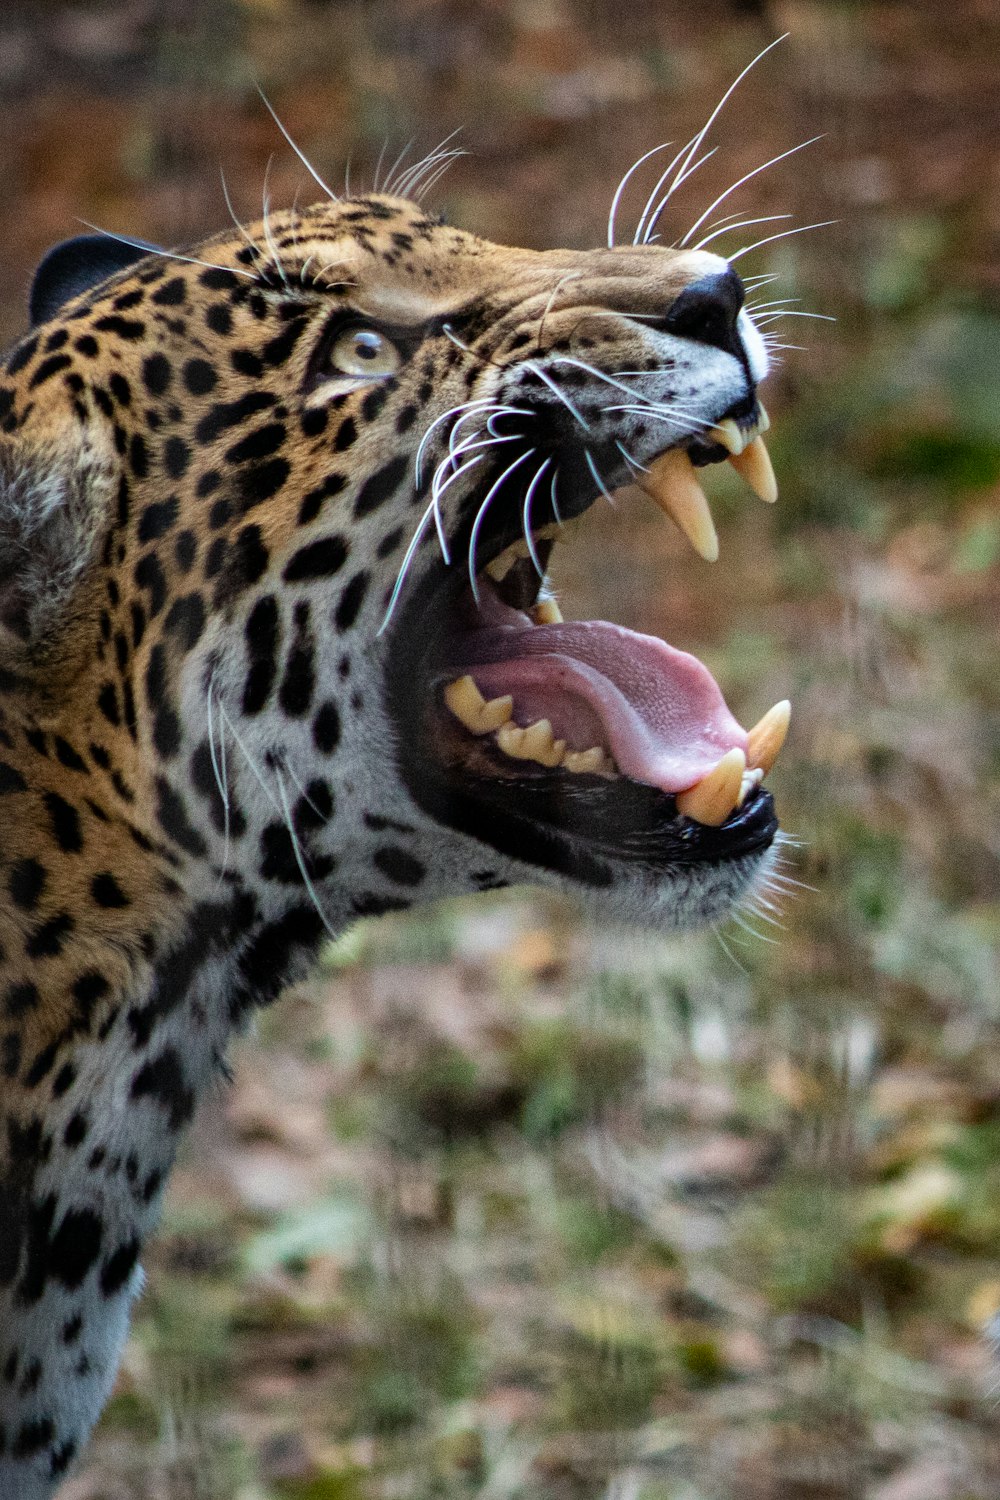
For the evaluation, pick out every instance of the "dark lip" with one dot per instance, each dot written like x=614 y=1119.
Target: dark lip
x=582 y=826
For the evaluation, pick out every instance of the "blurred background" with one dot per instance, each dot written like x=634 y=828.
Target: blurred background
x=503 y=1204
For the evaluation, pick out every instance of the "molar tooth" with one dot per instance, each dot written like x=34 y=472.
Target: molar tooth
x=728 y=434
x=765 y=739
x=590 y=760
x=754 y=465
x=714 y=797
x=673 y=484
x=547 y=612
x=534 y=743
x=471 y=709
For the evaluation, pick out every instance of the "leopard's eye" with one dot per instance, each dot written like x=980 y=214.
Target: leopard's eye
x=364 y=354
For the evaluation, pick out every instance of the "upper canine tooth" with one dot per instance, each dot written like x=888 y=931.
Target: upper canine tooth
x=547 y=613
x=671 y=481
x=471 y=709
x=754 y=464
x=714 y=797
x=767 y=736
x=728 y=435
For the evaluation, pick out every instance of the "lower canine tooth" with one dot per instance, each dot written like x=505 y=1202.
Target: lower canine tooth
x=713 y=798
x=672 y=482
x=754 y=465
x=534 y=743
x=766 y=738
x=471 y=709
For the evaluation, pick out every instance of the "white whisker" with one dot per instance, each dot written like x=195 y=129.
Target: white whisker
x=784 y=235
x=747 y=176
x=616 y=200
x=191 y=260
x=481 y=516
x=299 y=858
x=739 y=224
x=526 y=519
x=300 y=154
x=530 y=364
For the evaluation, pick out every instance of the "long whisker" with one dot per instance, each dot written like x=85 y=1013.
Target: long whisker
x=598 y=479
x=333 y=197
x=191 y=260
x=784 y=235
x=649 y=237
x=481 y=516
x=438 y=491
x=747 y=176
x=571 y=407
x=623 y=184
x=220 y=771
x=417 y=538
x=299 y=859
x=703 y=132
x=526 y=518
x=739 y=224
x=640 y=228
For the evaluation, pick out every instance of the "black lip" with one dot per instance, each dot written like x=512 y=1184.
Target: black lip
x=581 y=826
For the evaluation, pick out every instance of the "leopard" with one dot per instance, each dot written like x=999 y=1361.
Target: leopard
x=279 y=650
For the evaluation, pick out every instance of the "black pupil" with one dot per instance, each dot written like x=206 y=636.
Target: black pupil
x=367 y=345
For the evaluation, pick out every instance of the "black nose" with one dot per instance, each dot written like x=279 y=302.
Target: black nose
x=707 y=311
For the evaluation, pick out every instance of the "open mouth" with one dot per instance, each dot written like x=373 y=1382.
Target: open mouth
x=576 y=743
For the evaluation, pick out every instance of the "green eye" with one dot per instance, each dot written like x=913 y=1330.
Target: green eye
x=364 y=354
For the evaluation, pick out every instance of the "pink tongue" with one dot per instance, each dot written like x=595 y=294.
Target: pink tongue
x=658 y=711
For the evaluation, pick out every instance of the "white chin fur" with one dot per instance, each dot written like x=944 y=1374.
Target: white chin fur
x=754 y=346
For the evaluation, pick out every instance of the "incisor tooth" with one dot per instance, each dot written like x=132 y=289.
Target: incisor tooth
x=714 y=797
x=754 y=465
x=591 y=760
x=671 y=481
x=728 y=435
x=767 y=736
x=749 y=781
x=471 y=709
x=547 y=613
x=534 y=743
x=762 y=421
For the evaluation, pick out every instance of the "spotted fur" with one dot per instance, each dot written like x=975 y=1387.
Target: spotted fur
x=212 y=749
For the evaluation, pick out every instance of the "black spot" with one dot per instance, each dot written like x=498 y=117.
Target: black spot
x=299 y=680
x=74 y=1247
x=158 y=518
x=350 y=602
x=313 y=500
x=171 y=293
x=164 y=1081
x=107 y=702
x=10 y=1054
x=138 y=455
x=257 y=445
x=277 y=350
x=374 y=402
x=48 y=368
x=76 y=1130
x=126 y=328
x=65 y=823
x=185 y=620
x=172 y=816
x=380 y=487
x=399 y=865
x=11 y=779
x=261 y=636
x=259 y=482
x=176 y=457
x=117 y=1269
x=21 y=998
x=87 y=345
x=369 y=904
x=107 y=892
x=231 y=413
x=185 y=550
x=67 y=756
x=27 y=881
x=346 y=434
x=208 y=483
x=63 y=1081
x=220 y=513
x=246 y=363
x=47 y=940
x=326 y=728
x=32 y=1437
x=389 y=542
x=149 y=575
x=200 y=377
x=314 y=808
x=319 y=559
x=313 y=422
x=278 y=860
x=219 y=318
x=120 y=389
x=72 y=1329
x=156 y=374
x=88 y=988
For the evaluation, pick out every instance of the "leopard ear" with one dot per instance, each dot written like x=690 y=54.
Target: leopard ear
x=76 y=265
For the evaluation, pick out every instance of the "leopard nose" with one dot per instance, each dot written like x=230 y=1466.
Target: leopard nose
x=707 y=311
